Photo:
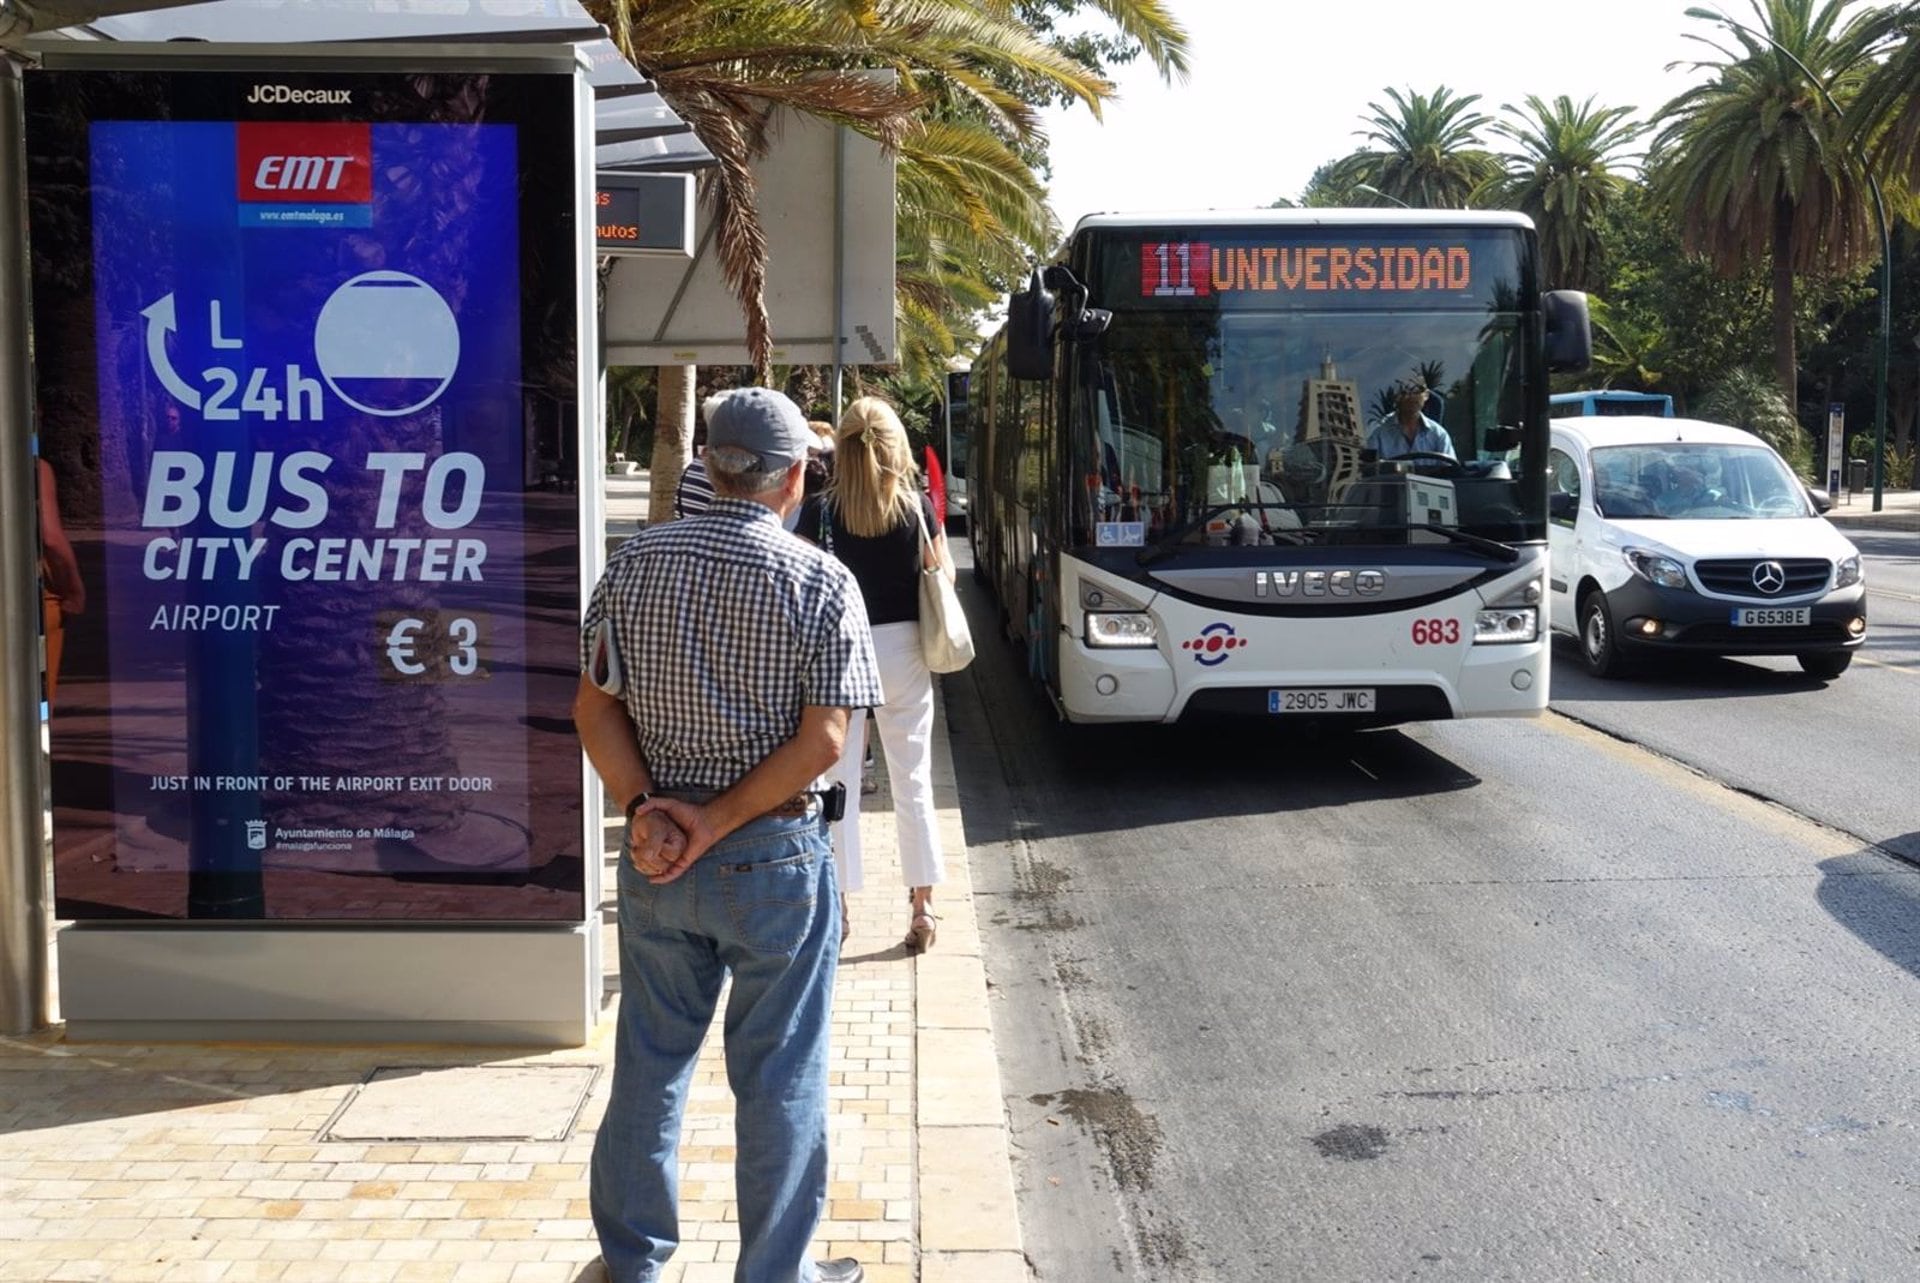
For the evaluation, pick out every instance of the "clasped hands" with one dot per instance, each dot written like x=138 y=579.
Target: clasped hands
x=665 y=837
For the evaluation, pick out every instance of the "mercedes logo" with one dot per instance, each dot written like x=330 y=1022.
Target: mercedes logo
x=1769 y=577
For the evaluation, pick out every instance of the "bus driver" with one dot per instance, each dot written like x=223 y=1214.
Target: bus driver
x=1409 y=431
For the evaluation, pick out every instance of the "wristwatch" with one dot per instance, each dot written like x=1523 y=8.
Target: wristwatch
x=640 y=799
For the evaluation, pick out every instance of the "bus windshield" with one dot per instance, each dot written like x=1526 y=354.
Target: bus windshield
x=1248 y=427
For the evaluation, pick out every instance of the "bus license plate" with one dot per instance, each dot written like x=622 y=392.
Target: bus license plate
x=1334 y=699
x=1772 y=616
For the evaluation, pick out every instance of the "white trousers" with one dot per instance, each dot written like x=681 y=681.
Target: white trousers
x=905 y=723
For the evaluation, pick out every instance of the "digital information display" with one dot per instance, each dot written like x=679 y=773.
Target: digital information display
x=643 y=213
x=1311 y=269
x=305 y=359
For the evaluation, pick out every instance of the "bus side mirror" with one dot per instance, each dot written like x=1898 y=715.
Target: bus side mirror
x=1030 y=332
x=1821 y=500
x=1092 y=323
x=1569 y=332
x=1563 y=507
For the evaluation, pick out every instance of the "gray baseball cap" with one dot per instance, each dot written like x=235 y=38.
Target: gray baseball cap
x=759 y=420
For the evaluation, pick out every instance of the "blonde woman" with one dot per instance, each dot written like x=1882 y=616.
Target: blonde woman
x=872 y=516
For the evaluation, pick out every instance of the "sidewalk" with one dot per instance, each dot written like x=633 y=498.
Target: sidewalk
x=1899 y=511
x=297 y=1164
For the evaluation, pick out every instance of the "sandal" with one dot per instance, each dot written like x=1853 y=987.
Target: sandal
x=920 y=935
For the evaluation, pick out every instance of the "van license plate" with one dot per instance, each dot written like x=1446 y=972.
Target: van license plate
x=1772 y=617
x=1331 y=699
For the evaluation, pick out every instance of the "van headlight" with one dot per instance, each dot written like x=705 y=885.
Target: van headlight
x=1513 y=617
x=1847 y=573
x=1118 y=629
x=1656 y=568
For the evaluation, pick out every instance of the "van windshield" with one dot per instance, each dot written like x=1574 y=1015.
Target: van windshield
x=1677 y=480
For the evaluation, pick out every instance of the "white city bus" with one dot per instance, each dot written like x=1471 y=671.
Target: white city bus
x=1178 y=497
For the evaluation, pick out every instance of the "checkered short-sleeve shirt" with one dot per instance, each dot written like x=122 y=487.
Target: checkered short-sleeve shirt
x=725 y=627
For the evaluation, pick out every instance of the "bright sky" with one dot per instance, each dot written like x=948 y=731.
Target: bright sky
x=1278 y=87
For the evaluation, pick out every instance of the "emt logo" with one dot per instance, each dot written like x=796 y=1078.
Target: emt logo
x=307 y=175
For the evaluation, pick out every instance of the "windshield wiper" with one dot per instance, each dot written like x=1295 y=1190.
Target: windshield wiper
x=1165 y=543
x=1479 y=543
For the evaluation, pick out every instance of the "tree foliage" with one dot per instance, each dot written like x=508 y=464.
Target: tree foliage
x=1427 y=153
x=1564 y=172
x=1746 y=398
x=1756 y=162
x=960 y=111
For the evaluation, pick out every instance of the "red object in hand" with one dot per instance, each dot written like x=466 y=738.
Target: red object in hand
x=936 y=486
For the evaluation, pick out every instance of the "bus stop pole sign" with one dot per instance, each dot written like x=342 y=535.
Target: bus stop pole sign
x=1836 y=441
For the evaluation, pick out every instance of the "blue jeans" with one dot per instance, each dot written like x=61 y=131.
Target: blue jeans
x=762 y=905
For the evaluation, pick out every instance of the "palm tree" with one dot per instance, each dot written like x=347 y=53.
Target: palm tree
x=722 y=67
x=1755 y=161
x=1626 y=344
x=1428 y=153
x=956 y=111
x=1562 y=175
x=1886 y=116
x=1326 y=189
x=971 y=215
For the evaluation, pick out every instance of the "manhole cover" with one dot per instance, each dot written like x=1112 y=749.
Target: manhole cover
x=464 y=1102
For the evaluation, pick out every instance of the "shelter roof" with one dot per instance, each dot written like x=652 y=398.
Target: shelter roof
x=634 y=127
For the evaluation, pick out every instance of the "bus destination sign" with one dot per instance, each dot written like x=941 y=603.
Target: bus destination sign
x=1194 y=269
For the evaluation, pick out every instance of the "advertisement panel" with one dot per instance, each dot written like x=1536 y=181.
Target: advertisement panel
x=305 y=367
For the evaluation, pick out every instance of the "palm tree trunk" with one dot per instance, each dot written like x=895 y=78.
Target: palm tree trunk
x=1785 y=359
x=672 y=439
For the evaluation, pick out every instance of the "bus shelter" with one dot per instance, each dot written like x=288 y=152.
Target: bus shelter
x=315 y=381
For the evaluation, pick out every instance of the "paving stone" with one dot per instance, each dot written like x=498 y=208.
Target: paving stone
x=345 y=1165
x=465 y=1102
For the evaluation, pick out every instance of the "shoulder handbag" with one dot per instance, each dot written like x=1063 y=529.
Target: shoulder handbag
x=826 y=529
x=944 y=637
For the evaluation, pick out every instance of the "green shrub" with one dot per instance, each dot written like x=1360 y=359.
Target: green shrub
x=1899 y=467
x=1747 y=398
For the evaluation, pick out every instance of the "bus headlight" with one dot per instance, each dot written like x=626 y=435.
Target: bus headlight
x=1513 y=617
x=1107 y=628
x=1847 y=574
x=1505 y=625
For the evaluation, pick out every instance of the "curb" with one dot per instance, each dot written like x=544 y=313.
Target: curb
x=969 y=1230
x=1892 y=521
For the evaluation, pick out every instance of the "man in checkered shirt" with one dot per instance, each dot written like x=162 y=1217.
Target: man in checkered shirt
x=722 y=656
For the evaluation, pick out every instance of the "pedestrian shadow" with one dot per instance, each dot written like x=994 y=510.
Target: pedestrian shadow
x=898 y=953
x=1877 y=897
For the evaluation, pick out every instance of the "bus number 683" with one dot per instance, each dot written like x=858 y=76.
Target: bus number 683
x=1436 y=632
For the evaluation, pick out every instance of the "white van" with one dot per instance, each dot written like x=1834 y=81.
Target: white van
x=1675 y=535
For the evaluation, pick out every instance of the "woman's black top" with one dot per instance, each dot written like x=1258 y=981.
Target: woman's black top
x=885 y=566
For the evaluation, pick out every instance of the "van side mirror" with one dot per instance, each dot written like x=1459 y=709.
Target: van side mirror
x=1563 y=507
x=1030 y=331
x=1822 y=501
x=1569 y=332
